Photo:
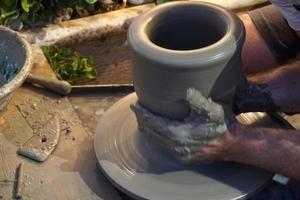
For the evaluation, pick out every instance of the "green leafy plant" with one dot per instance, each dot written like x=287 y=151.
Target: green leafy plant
x=31 y=12
x=162 y=1
x=68 y=65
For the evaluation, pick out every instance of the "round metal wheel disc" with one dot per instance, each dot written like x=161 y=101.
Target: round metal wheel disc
x=144 y=173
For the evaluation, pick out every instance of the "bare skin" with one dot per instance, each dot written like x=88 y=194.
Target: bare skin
x=276 y=150
x=254 y=45
x=270 y=87
x=273 y=90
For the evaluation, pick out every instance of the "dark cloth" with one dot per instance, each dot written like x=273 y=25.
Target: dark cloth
x=276 y=191
x=282 y=40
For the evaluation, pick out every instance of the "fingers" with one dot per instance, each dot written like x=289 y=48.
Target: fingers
x=157 y=141
x=202 y=105
x=185 y=154
x=183 y=140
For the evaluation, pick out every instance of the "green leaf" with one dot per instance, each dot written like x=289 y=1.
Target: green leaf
x=8 y=14
x=91 y=1
x=36 y=12
x=91 y=74
x=26 y=4
x=68 y=65
x=8 y=5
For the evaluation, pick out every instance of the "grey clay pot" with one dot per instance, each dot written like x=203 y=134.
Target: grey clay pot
x=15 y=63
x=180 y=45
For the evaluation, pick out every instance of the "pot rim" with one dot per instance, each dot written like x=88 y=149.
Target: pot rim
x=217 y=52
x=20 y=77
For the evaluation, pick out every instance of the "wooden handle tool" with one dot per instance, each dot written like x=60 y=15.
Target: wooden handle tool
x=57 y=86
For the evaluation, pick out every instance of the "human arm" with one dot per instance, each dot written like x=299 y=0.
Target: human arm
x=277 y=150
x=274 y=90
x=212 y=133
x=270 y=40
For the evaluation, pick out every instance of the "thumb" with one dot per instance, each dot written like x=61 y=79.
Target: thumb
x=201 y=105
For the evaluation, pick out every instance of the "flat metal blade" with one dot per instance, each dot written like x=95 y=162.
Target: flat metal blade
x=42 y=143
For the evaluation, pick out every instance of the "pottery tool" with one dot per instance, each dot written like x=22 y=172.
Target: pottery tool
x=104 y=88
x=42 y=74
x=143 y=172
x=64 y=88
x=19 y=184
x=42 y=143
x=57 y=86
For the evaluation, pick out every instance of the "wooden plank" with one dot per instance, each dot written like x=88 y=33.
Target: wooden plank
x=40 y=66
x=71 y=172
x=112 y=59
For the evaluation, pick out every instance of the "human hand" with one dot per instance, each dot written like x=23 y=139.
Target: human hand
x=185 y=140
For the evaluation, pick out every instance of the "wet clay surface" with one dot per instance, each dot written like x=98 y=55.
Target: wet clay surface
x=70 y=172
x=91 y=107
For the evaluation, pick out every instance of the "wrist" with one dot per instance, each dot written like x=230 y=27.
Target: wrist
x=226 y=146
x=232 y=142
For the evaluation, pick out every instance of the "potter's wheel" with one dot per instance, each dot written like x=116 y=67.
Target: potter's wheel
x=143 y=173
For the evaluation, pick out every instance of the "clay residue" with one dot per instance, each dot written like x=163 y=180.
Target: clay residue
x=254 y=98
x=42 y=143
x=8 y=68
x=181 y=139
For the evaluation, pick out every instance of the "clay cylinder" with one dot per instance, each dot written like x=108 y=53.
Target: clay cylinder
x=179 y=45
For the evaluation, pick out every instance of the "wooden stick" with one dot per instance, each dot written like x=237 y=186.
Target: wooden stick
x=19 y=181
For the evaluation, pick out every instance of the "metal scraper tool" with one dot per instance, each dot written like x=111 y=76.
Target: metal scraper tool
x=41 y=144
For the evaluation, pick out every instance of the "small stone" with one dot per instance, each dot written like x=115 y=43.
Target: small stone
x=2 y=120
x=99 y=112
x=73 y=138
x=139 y=2
x=76 y=107
x=125 y=44
x=45 y=98
x=34 y=106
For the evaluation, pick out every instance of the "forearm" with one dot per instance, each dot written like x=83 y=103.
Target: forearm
x=276 y=150
x=273 y=90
